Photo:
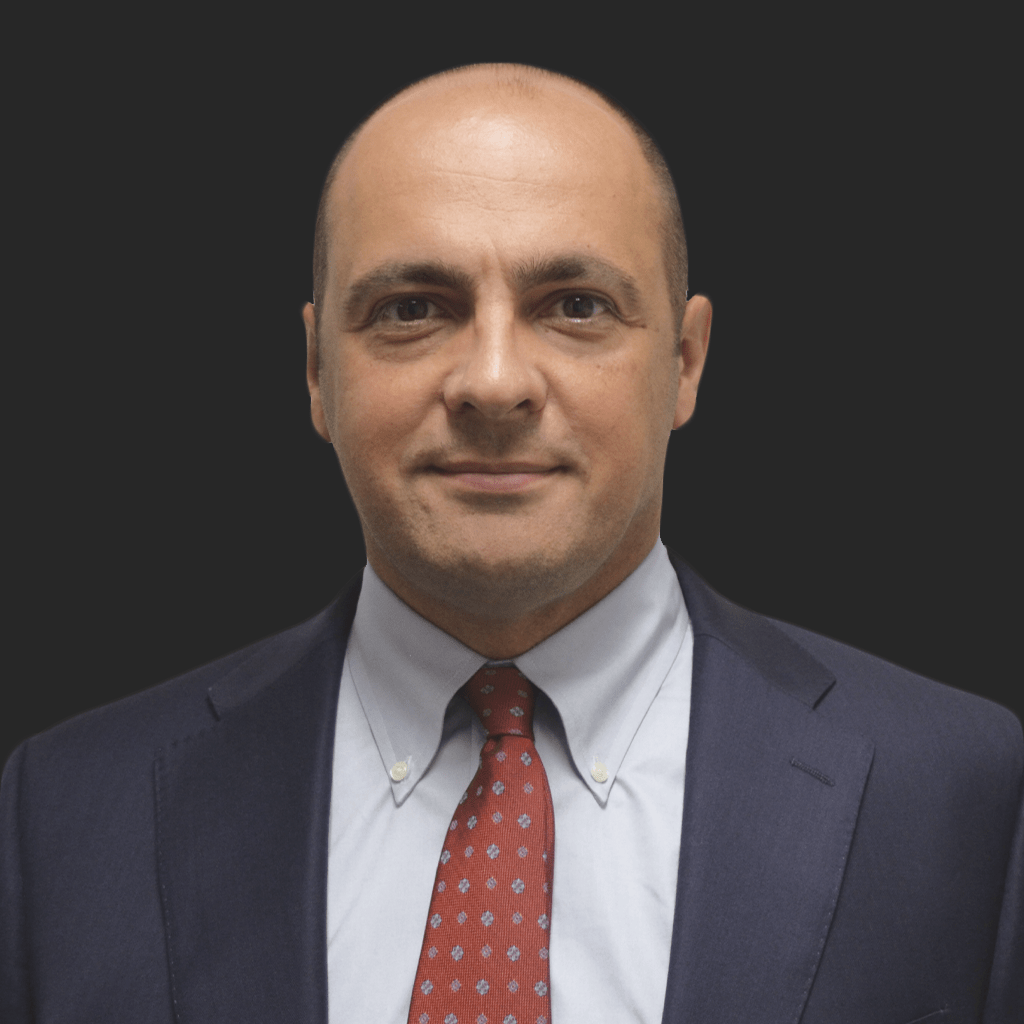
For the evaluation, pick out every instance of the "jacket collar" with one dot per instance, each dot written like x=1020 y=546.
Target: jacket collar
x=242 y=812
x=783 y=662
x=273 y=657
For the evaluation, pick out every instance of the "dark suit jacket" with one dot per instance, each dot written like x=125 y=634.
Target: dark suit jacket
x=851 y=844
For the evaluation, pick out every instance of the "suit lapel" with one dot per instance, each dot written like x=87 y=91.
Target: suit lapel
x=771 y=801
x=242 y=812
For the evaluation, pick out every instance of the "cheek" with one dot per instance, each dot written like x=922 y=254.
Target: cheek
x=377 y=413
x=621 y=411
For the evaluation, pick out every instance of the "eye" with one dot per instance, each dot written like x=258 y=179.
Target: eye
x=581 y=307
x=408 y=309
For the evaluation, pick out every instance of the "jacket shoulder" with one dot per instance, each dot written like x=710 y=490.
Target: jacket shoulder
x=854 y=690
x=141 y=722
x=131 y=729
x=901 y=708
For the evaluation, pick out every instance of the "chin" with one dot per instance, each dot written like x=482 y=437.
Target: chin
x=500 y=580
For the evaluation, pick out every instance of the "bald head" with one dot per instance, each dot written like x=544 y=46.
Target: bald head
x=473 y=93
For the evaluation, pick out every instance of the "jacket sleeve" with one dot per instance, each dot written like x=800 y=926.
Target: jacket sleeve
x=1005 y=1001
x=15 y=1005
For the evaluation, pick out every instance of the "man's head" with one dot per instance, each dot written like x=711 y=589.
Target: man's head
x=496 y=351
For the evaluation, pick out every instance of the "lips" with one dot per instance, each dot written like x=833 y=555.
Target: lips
x=496 y=468
x=503 y=477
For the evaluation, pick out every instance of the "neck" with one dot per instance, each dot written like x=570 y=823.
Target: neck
x=501 y=639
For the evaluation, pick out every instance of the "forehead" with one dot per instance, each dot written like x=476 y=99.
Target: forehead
x=493 y=176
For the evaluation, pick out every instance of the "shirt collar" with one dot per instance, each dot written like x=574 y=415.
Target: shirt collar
x=601 y=672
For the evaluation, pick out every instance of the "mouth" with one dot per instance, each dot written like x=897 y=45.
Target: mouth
x=501 y=477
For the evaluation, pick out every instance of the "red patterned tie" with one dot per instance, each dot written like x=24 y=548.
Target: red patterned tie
x=485 y=950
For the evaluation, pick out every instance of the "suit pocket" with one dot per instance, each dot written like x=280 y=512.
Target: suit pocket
x=929 y=1018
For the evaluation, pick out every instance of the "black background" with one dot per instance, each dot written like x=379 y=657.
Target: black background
x=846 y=189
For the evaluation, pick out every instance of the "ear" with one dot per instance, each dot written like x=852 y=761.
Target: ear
x=316 y=408
x=693 y=348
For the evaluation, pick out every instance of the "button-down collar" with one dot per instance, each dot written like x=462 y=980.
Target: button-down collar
x=601 y=672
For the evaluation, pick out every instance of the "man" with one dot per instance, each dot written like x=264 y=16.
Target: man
x=685 y=811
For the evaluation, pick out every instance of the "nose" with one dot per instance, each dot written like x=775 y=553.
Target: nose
x=496 y=373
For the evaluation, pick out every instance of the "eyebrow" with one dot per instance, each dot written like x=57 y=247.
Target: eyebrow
x=395 y=274
x=529 y=274
x=525 y=274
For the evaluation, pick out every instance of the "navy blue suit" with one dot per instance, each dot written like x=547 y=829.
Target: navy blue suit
x=852 y=847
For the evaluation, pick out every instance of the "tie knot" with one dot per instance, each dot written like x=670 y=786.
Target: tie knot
x=503 y=700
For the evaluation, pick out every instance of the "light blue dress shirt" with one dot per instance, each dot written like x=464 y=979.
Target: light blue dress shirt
x=610 y=725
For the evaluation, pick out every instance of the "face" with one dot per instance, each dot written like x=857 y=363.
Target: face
x=497 y=367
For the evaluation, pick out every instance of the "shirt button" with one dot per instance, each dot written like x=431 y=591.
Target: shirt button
x=599 y=772
x=399 y=770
